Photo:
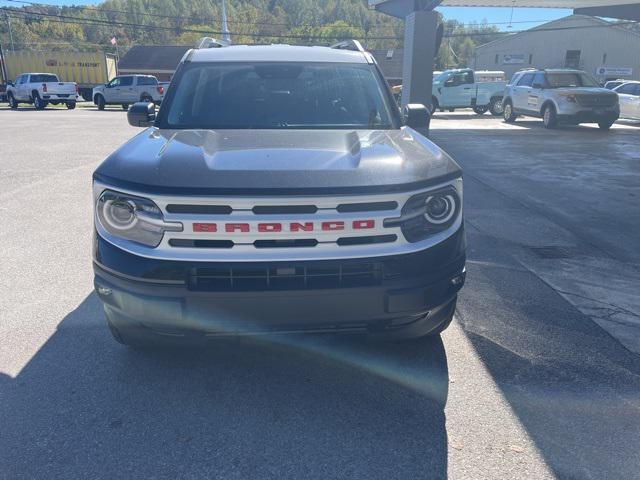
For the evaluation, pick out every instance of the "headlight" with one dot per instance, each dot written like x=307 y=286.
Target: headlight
x=133 y=218
x=428 y=213
x=569 y=97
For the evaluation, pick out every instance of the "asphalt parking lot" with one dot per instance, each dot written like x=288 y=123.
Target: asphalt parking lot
x=538 y=377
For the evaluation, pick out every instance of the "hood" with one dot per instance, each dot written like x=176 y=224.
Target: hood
x=276 y=161
x=584 y=90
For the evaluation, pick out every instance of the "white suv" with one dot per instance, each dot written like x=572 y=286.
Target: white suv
x=127 y=89
x=567 y=96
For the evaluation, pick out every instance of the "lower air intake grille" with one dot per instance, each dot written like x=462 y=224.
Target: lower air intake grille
x=289 y=277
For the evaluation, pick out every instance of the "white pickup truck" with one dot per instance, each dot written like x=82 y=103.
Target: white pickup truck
x=41 y=89
x=128 y=89
x=462 y=88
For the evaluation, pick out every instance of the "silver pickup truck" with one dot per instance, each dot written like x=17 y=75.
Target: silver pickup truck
x=41 y=89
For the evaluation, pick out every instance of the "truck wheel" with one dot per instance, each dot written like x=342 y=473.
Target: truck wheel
x=508 y=114
x=71 y=105
x=13 y=104
x=481 y=109
x=605 y=125
x=434 y=105
x=99 y=101
x=549 y=117
x=125 y=106
x=146 y=98
x=38 y=102
x=495 y=107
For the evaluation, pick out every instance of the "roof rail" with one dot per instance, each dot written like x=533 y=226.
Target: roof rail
x=208 y=42
x=352 y=44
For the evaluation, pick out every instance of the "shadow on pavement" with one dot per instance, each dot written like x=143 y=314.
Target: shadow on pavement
x=85 y=407
x=574 y=388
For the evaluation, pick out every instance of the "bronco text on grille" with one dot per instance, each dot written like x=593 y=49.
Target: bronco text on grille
x=307 y=205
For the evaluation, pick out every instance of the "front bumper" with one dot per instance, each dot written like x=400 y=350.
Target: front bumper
x=594 y=115
x=400 y=296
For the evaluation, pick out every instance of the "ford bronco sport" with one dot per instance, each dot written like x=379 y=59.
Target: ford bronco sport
x=278 y=189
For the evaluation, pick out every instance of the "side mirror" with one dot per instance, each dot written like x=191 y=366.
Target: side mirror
x=539 y=86
x=417 y=117
x=141 y=114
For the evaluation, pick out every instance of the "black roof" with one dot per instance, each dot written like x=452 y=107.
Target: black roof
x=166 y=57
x=152 y=57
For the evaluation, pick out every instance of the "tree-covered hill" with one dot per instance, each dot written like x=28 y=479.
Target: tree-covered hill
x=37 y=26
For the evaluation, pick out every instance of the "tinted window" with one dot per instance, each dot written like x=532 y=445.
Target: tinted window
x=277 y=95
x=570 y=79
x=460 y=79
x=629 y=89
x=126 y=81
x=115 y=82
x=539 y=79
x=147 y=81
x=526 y=80
x=43 y=78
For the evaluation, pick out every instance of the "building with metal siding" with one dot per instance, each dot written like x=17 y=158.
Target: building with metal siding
x=588 y=43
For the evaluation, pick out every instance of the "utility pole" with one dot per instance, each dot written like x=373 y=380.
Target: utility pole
x=10 y=33
x=226 y=35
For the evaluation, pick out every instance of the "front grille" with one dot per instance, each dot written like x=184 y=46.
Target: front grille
x=596 y=100
x=308 y=275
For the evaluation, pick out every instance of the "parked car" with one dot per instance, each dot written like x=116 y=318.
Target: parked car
x=460 y=89
x=281 y=191
x=560 y=96
x=41 y=89
x=629 y=98
x=611 y=84
x=127 y=89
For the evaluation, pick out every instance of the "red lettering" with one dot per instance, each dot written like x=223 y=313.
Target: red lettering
x=205 y=227
x=236 y=227
x=363 y=224
x=304 y=227
x=269 y=227
x=328 y=226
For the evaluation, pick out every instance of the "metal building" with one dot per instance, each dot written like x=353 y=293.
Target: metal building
x=588 y=43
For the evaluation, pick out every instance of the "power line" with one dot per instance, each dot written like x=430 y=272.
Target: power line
x=241 y=22
x=175 y=17
x=100 y=22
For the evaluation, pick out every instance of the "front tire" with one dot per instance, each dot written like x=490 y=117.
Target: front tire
x=549 y=117
x=495 y=107
x=508 y=113
x=13 y=104
x=434 y=105
x=99 y=101
x=481 y=110
x=604 y=125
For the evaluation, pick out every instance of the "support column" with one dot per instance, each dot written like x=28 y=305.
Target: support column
x=419 y=56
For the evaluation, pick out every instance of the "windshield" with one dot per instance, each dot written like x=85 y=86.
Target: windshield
x=278 y=95
x=43 y=78
x=570 y=79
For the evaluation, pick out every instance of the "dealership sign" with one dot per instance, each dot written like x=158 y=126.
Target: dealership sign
x=614 y=71
x=512 y=59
